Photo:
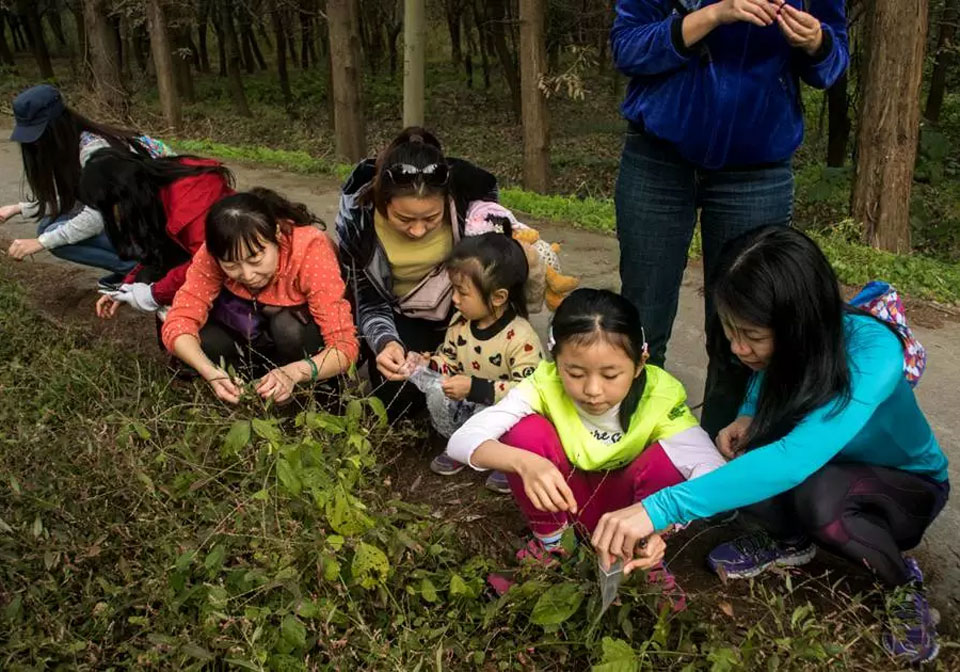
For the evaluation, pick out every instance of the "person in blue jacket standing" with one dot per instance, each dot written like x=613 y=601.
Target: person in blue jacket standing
x=830 y=447
x=714 y=116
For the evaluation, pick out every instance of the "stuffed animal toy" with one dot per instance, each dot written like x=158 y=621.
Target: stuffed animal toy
x=546 y=282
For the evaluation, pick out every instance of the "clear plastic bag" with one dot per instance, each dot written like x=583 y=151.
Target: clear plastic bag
x=446 y=415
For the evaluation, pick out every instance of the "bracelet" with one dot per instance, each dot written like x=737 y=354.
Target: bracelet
x=314 y=371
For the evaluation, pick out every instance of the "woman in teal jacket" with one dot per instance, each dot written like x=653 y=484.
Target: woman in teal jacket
x=830 y=446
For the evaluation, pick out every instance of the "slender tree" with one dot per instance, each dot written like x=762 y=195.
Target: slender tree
x=103 y=47
x=945 y=54
x=232 y=49
x=349 y=124
x=161 y=49
x=414 y=55
x=536 y=123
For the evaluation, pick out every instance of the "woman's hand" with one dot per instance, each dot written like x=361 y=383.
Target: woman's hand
x=730 y=438
x=222 y=386
x=24 y=247
x=801 y=29
x=544 y=485
x=758 y=12
x=619 y=532
x=391 y=360
x=456 y=387
x=278 y=384
x=8 y=211
x=106 y=307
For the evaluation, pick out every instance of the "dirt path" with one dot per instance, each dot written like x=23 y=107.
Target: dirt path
x=66 y=291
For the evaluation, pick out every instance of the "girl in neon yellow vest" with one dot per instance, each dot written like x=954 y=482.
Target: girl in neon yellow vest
x=592 y=432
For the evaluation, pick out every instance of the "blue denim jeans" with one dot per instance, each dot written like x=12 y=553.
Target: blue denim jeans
x=94 y=251
x=658 y=195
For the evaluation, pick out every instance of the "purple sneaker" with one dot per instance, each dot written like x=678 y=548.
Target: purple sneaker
x=497 y=482
x=913 y=624
x=751 y=554
x=445 y=465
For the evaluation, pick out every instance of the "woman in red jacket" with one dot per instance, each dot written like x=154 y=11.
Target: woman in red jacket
x=153 y=212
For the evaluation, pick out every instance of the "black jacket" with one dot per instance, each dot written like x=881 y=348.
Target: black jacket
x=366 y=270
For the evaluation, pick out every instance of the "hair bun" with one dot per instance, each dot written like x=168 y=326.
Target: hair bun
x=416 y=137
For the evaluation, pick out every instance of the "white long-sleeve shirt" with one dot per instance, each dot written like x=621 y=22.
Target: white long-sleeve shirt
x=691 y=451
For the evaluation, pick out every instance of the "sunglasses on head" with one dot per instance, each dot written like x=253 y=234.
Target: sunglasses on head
x=436 y=174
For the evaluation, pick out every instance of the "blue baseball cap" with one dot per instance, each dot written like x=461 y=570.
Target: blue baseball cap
x=33 y=109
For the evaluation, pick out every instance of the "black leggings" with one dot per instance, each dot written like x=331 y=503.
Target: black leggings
x=288 y=337
x=403 y=398
x=866 y=513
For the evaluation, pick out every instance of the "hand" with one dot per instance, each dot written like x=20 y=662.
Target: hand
x=619 y=532
x=413 y=360
x=137 y=294
x=801 y=29
x=222 y=386
x=106 y=307
x=391 y=360
x=758 y=12
x=647 y=554
x=278 y=384
x=24 y=247
x=456 y=387
x=730 y=438
x=8 y=211
x=544 y=485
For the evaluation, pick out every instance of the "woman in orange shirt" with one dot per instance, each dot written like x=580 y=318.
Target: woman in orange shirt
x=264 y=292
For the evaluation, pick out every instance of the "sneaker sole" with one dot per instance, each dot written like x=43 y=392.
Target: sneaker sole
x=445 y=472
x=498 y=490
x=797 y=560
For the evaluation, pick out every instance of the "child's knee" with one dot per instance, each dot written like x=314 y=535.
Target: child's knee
x=537 y=435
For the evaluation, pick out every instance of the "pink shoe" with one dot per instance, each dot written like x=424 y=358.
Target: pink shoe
x=536 y=552
x=672 y=595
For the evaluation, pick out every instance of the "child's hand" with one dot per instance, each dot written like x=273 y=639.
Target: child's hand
x=801 y=29
x=457 y=387
x=730 y=438
x=647 y=554
x=545 y=486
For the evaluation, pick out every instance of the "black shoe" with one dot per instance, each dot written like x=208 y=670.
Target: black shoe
x=111 y=282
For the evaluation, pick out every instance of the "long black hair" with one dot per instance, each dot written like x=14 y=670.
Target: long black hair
x=237 y=225
x=51 y=164
x=493 y=261
x=590 y=315
x=414 y=149
x=125 y=188
x=777 y=278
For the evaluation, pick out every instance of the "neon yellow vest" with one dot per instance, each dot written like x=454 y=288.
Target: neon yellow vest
x=661 y=413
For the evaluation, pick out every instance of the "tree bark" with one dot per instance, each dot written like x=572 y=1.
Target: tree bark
x=30 y=18
x=414 y=46
x=838 y=122
x=202 y=36
x=889 y=122
x=103 y=47
x=246 y=37
x=483 y=41
x=536 y=122
x=56 y=26
x=349 y=125
x=162 y=50
x=232 y=48
x=6 y=55
x=20 y=41
x=944 y=59
x=454 y=10
x=497 y=16
x=221 y=37
x=280 y=37
x=183 y=55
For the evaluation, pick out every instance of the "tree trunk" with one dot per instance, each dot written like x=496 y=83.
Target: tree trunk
x=246 y=35
x=484 y=41
x=221 y=39
x=889 y=122
x=349 y=125
x=536 y=122
x=103 y=48
x=232 y=48
x=138 y=38
x=280 y=37
x=6 y=55
x=202 y=36
x=126 y=48
x=500 y=27
x=162 y=50
x=56 y=26
x=183 y=55
x=414 y=38
x=392 y=38
x=838 y=122
x=454 y=9
x=255 y=46
x=30 y=18
x=304 y=37
x=20 y=41
x=944 y=59
x=291 y=42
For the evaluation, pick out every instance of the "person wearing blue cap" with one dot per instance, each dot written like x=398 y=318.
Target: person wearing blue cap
x=56 y=142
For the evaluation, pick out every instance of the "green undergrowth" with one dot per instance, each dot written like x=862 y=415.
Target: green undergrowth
x=915 y=274
x=145 y=526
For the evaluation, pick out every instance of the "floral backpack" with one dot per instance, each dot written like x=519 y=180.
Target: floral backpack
x=882 y=300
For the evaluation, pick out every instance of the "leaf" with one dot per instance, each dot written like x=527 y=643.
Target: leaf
x=726 y=608
x=4 y=527
x=159 y=639
x=37 y=528
x=147 y=482
x=379 y=410
x=261 y=495
x=617 y=657
x=288 y=477
x=345 y=517
x=293 y=631
x=335 y=541
x=427 y=590
x=331 y=569
x=141 y=430
x=15 y=485
x=459 y=587
x=214 y=560
x=197 y=651
x=557 y=604
x=245 y=664
x=236 y=439
x=267 y=429
x=370 y=565
x=184 y=560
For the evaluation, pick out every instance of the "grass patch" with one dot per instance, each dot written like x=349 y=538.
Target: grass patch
x=290 y=160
